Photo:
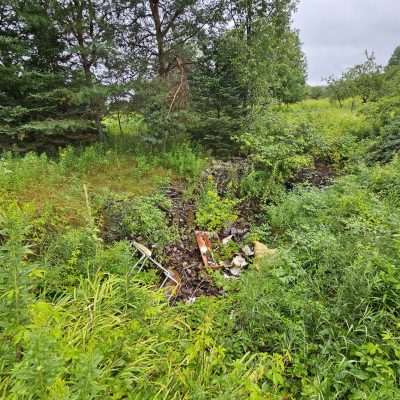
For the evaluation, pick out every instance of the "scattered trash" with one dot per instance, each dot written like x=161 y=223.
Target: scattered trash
x=235 y=232
x=185 y=262
x=171 y=287
x=248 y=252
x=190 y=300
x=143 y=249
x=226 y=240
x=235 y=271
x=204 y=244
x=225 y=264
x=239 y=262
x=146 y=257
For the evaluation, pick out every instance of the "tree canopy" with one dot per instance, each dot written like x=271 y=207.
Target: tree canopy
x=64 y=63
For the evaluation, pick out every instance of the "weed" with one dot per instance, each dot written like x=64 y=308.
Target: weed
x=214 y=213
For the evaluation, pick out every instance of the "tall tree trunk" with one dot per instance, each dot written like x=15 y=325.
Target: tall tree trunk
x=119 y=123
x=162 y=63
x=249 y=20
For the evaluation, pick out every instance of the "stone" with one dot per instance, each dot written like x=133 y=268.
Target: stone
x=239 y=262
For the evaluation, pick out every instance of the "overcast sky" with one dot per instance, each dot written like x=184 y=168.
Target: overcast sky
x=336 y=33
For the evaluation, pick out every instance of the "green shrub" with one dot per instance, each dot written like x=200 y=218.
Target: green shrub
x=384 y=181
x=388 y=143
x=214 y=213
x=18 y=172
x=337 y=132
x=142 y=218
x=331 y=295
x=183 y=160
x=69 y=257
x=277 y=146
x=257 y=185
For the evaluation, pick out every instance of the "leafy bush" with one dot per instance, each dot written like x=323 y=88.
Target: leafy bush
x=277 y=146
x=257 y=185
x=142 y=218
x=17 y=173
x=166 y=126
x=82 y=160
x=214 y=213
x=333 y=290
x=388 y=143
x=183 y=160
x=337 y=131
x=68 y=258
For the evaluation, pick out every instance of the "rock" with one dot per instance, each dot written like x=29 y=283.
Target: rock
x=235 y=271
x=262 y=251
x=248 y=252
x=239 y=262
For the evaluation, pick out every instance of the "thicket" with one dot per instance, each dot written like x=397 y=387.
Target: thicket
x=182 y=66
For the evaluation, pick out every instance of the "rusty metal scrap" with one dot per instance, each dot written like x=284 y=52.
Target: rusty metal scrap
x=203 y=241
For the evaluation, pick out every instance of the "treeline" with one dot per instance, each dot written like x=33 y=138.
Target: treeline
x=367 y=81
x=190 y=67
x=377 y=87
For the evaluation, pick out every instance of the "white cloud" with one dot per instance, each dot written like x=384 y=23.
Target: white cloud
x=336 y=33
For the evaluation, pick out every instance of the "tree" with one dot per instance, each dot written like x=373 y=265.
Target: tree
x=67 y=60
x=45 y=105
x=395 y=58
x=363 y=80
x=339 y=89
x=160 y=32
x=316 y=92
x=270 y=61
x=245 y=14
x=87 y=28
x=366 y=78
x=259 y=60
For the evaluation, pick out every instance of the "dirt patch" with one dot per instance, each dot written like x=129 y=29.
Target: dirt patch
x=183 y=258
x=321 y=175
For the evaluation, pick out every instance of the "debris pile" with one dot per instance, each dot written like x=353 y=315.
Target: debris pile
x=321 y=175
x=187 y=263
x=231 y=268
x=184 y=257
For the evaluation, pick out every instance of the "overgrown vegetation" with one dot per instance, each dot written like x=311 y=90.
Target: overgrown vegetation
x=314 y=183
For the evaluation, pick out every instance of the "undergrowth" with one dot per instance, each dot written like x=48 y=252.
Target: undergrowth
x=318 y=321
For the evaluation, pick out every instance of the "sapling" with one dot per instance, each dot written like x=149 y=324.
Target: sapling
x=13 y=272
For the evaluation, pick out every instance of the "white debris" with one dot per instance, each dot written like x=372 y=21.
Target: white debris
x=190 y=300
x=248 y=251
x=226 y=240
x=143 y=249
x=239 y=261
x=235 y=271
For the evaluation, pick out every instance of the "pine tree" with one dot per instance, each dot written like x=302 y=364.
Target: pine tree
x=45 y=100
x=395 y=58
